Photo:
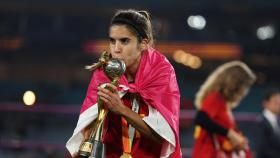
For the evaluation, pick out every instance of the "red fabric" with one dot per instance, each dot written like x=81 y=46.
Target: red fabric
x=215 y=106
x=156 y=83
x=143 y=147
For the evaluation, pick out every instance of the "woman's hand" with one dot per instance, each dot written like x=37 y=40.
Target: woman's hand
x=111 y=99
x=238 y=141
x=114 y=103
x=75 y=155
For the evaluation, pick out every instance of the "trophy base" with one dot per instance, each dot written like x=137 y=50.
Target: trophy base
x=98 y=150
x=85 y=149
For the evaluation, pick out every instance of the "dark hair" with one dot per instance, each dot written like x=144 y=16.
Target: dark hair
x=138 y=21
x=269 y=93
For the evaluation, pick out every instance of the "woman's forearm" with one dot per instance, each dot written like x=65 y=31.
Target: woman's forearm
x=136 y=121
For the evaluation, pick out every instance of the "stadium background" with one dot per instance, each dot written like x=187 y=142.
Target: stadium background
x=44 y=46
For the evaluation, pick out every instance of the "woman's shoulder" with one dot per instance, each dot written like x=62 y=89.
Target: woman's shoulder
x=213 y=101
x=214 y=95
x=156 y=57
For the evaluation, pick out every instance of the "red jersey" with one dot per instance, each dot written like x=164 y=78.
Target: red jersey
x=142 y=147
x=215 y=106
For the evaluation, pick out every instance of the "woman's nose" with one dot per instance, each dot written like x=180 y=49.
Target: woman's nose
x=117 y=47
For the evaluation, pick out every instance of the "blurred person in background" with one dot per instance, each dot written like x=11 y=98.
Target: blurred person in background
x=216 y=134
x=269 y=145
x=146 y=101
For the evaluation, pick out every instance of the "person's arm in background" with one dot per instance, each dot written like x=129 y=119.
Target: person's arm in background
x=203 y=119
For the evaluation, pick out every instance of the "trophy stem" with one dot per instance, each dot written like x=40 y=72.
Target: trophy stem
x=98 y=123
x=102 y=113
x=99 y=132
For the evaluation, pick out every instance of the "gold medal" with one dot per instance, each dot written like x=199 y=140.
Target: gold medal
x=126 y=155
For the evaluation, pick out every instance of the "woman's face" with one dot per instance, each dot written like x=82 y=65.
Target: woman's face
x=124 y=45
x=240 y=92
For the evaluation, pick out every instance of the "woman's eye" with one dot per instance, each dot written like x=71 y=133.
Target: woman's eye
x=125 y=40
x=112 y=41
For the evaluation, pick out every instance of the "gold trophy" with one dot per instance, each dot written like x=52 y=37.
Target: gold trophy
x=93 y=147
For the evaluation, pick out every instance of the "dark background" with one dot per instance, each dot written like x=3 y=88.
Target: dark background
x=44 y=46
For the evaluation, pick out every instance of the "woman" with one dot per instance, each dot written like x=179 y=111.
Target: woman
x=216 y=133
x=146 y=102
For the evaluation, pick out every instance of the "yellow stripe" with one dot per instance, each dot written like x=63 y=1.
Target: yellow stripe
x=197 y=131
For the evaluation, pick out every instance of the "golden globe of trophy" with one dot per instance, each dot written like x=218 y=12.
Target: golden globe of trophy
x=93 y=147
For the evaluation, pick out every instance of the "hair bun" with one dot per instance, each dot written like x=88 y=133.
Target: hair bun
x=144 y=13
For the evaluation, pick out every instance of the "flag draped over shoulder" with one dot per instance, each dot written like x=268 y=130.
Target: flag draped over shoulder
x=155 y=82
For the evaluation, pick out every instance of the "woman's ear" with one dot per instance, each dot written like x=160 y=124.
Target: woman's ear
x=144 y=44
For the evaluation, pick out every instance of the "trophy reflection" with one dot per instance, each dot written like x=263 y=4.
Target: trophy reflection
x=93 y=147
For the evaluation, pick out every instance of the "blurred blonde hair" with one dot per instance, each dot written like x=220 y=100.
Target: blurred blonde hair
x=232 y=79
